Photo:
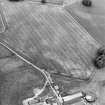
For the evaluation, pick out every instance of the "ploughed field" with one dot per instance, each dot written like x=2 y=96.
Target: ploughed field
x=50 y=38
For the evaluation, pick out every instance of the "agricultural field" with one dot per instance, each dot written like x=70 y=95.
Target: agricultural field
x=62 y=40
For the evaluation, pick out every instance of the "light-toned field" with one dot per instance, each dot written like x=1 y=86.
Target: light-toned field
x=93 y=18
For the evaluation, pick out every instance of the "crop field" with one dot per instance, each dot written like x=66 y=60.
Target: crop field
x=53 y=39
